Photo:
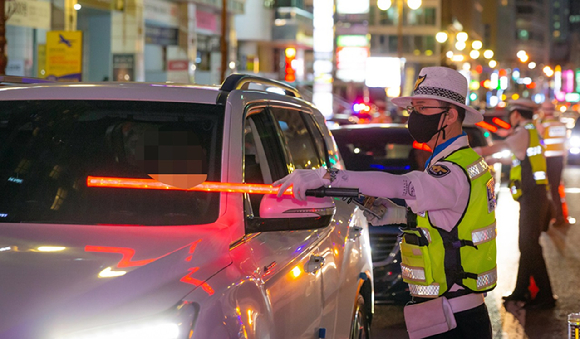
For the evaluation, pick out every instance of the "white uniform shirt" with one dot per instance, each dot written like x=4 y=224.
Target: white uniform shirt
x=519 y=140
x=443 y=192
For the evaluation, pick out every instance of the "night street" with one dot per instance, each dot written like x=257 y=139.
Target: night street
x=562 y=257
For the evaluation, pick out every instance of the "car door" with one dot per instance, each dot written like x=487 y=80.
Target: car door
x=342 y=265
x=286 y=260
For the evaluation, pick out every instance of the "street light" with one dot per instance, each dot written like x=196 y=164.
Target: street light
x=462 y=36
x=488 y=54
x=441 y=37
x=414 y=4
x=492 y=63
x=460 y=45
x=474 y=54
x=477 y=44
x=385 y=5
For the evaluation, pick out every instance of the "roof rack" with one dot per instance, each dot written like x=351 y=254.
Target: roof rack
x=239 y=81
x=19 y=80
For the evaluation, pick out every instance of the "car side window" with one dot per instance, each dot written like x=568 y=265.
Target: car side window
x=297 y=139
x=264 y=160
x=317 y=138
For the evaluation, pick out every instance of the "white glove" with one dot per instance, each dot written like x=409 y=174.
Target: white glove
x=302 y=180
x=477 y=150
x=395 y=214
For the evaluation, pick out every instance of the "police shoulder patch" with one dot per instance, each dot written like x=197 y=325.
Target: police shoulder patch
x=438 y=171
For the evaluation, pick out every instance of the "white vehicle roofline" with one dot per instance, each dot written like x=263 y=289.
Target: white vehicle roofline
x=129 y=91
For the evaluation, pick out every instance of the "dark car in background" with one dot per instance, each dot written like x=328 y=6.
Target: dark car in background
x=390 y=148
x=574 y=145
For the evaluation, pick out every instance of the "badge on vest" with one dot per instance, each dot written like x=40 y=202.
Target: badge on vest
x=439 y=171
x=491 y=202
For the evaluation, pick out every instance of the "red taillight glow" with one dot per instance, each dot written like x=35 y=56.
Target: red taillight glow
x=422 y=146
x=501 y=123
x=206 y=186
x=128 y=253
x=487 y=126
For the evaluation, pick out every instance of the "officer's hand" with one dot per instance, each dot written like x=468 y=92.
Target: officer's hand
x=477 y=150
x=302 y=180
x=395 y=214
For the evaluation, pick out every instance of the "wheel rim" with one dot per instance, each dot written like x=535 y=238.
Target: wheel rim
x=358 y=326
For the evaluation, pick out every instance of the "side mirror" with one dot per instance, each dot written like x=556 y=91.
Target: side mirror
x=288 y=214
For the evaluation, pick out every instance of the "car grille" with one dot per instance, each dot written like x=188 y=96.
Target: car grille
x=382 y=245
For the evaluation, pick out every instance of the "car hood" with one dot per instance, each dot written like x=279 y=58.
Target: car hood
x=62 y=278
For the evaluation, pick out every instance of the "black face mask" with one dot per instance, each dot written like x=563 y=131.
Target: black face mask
x=423 y=127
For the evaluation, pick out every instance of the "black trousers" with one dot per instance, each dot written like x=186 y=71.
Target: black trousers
x=554 y=167
x=533 y=211
x=471 y=324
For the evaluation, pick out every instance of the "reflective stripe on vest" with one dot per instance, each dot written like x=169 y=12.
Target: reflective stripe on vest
x=413 y=273
x=487 y=279
x=554 y=138
x=483 y=235
x=431 y=291
x=473 y=239
x=535 y=153
x=554 y=153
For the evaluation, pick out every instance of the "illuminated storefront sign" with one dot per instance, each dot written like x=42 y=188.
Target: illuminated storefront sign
x=350 y=63
x=352 y=7
x=568 y=81
x=289 y=72
x=323 y=20
x=383 y=72
x=64 y=55
x=352 y=41
x=577 y=80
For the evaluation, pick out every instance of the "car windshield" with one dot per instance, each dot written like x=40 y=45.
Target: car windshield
x=389 y=149
x=49 y=148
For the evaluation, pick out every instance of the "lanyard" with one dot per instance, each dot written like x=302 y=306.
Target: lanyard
x=441 y=147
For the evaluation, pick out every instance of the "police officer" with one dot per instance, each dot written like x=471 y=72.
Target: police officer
x=528 y=182
x=553 y=132
x=448 y=259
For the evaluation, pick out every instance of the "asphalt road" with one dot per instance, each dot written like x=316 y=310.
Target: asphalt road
x=562 y=254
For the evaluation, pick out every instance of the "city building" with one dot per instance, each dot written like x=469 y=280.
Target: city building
x=131 y=40
x=275 y=39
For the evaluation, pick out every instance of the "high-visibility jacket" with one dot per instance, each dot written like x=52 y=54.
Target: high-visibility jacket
x=434 y=259
x=554 y=138
x=535 y=155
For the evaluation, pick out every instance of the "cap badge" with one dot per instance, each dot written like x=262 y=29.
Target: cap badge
x=419 y=81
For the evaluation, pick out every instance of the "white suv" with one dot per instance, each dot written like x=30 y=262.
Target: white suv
x=93 y=247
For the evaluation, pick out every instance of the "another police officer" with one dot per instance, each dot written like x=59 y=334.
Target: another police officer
x=553 y=132
x=449 y=258
x=528 y=182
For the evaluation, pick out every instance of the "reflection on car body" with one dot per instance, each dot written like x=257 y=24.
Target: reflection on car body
x=89 y=248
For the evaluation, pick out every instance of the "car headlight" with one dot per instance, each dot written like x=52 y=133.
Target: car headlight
x=575 y=141
x=176 y=323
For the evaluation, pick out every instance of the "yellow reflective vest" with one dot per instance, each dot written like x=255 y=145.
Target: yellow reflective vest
x=554 y=138
x=535 y=154
x=434 y=259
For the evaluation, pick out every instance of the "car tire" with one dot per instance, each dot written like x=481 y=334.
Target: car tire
x=360 y=327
